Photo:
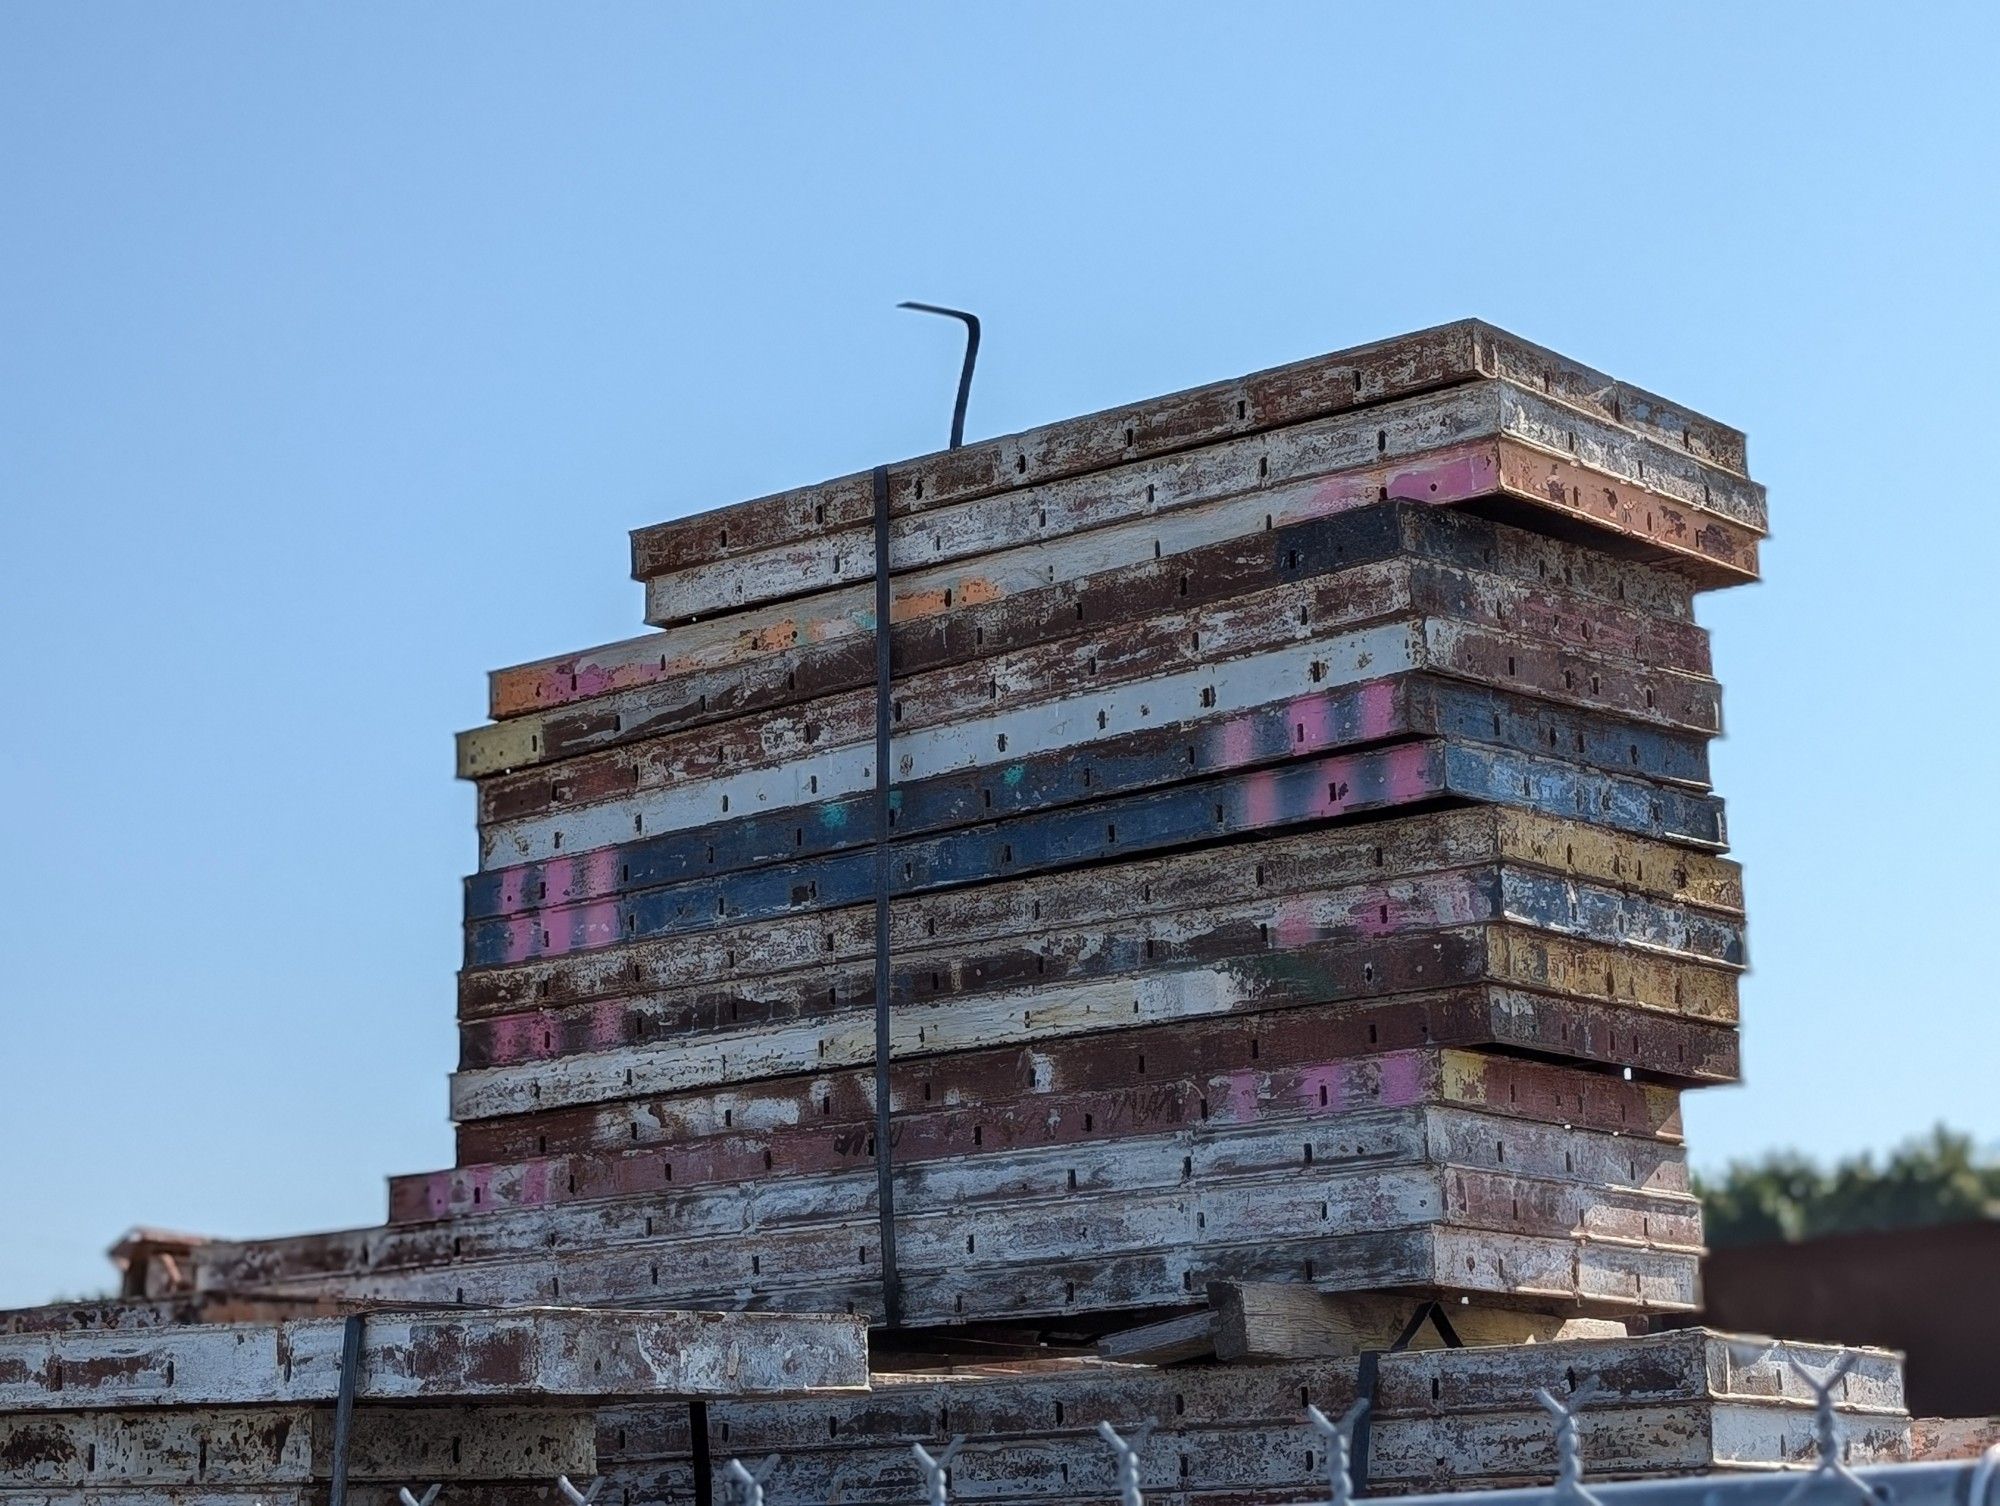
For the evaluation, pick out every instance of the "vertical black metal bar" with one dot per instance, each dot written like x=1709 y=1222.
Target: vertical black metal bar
x=964 y=381
x=971 y=323
x=343 y=1407
x=1366 y=1383
x=885 y=1192
x=704 y=1466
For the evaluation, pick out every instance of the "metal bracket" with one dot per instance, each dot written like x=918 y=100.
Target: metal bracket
x=1369 y=1375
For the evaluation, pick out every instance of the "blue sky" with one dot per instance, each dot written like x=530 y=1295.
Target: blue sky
x=341 y=345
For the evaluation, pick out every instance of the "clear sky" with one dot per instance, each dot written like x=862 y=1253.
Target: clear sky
x=340 y=345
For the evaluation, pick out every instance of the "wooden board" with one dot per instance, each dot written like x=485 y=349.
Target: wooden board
x=433 y=1356
x=1367 y=375
x=1017 y=597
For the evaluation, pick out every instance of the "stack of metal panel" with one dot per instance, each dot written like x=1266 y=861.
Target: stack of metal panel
x=1299 y=865
x=495 y=1407
x=1233 y=1435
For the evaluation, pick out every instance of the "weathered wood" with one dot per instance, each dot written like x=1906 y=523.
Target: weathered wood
x=1215 y=1152
x=431 y=1356
x=1010 y=1234
x=1386 y=371
x=1292 y=1321
x=1354 y=457
x=1169 y=1341
x=1034 y=592
x=1505 y=956
x=1332 y=722
x=995 y=565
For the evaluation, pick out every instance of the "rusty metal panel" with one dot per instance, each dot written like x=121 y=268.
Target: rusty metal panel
x=1355 y=454
x=419 y=1356
x=1387 y=371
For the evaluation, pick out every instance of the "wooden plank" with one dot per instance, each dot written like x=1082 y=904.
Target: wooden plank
x=1170 y=1341
x=1291 y=606
x=1327 y=721
x=1383 y=372
x=1028 y=594
x=965 y=917
x=1219 y=1156
x=648 y=901
x=432 y=1356
x=1686 y=1366
x=1293 y=1321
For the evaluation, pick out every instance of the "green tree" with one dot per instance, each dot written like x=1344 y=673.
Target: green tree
x=1940 y=1178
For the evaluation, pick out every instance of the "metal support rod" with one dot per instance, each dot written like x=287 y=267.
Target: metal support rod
x=704 y=1463
x=885 y=1191
x=971 y=322
x=1368 y=1376
x=343 y=1406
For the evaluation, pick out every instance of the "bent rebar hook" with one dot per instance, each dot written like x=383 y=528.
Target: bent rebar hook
x=971 y=322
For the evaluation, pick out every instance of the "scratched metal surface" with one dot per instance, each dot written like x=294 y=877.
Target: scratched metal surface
x=1079 y=1091
x=1437 y=450
x=1025 y=593
x=1379 y=1201
x=1320 y=580
x=1056 y=1092
x=430 y=1356
x=1300 y=393
x=671 y=885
